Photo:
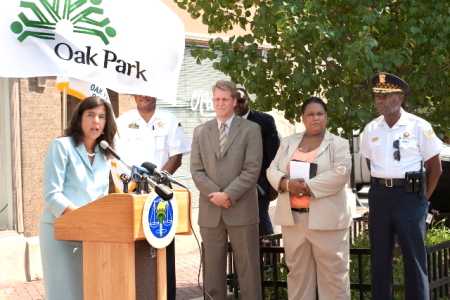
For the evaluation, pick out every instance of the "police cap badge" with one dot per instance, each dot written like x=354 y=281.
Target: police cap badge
x=385 y=83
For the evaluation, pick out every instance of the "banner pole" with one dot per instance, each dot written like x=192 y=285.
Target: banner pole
x=64 y=110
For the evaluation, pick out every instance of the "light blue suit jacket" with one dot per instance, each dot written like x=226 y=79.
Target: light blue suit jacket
x=69 y=178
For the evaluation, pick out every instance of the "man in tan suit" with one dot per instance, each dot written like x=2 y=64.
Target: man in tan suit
x=225 y=165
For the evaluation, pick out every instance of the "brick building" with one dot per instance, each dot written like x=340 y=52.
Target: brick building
x=31 y=117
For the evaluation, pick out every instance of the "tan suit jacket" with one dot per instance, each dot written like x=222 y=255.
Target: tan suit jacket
x=329 y=209
x=235 y=172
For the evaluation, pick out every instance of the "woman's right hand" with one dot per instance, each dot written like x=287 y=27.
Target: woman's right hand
x=297 y=186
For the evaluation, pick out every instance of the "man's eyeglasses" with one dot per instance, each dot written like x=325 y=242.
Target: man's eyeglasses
x=241 y=100
x=396 y=145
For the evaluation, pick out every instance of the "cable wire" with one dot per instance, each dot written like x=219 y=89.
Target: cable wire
x=198 y=243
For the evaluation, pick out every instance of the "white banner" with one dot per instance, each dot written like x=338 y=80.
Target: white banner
x=131 y=47
x=80 y=88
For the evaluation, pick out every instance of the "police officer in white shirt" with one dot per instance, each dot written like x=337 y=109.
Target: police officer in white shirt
x=398 y=146
x=150 y=134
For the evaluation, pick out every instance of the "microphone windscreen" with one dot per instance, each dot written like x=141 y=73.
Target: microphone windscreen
x=149 y=166
x=104 y=144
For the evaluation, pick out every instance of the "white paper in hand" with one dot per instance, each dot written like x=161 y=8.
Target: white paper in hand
x=299 y=169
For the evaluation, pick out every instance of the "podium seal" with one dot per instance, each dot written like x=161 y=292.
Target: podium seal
x=159 y=220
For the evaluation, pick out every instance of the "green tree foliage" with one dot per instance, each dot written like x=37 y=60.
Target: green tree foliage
x=331 y=48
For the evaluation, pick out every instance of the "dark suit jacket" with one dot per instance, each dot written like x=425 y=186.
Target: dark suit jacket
x=270 y=142
x=235 y=172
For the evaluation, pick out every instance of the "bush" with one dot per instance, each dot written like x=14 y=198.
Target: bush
x=436 y=233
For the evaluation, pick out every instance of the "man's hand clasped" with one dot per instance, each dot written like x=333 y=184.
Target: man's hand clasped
x=220 y=199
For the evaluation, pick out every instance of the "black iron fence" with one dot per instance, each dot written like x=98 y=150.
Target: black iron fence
x=274 y=270
x=438 y=273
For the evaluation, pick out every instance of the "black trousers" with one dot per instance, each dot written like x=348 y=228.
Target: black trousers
x=265 y=224
x=170 y=267
x=392 y=212
x=171 y=276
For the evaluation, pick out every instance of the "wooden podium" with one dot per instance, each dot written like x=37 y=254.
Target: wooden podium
x=116 y=254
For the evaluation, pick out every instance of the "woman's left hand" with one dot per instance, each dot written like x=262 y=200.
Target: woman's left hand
x=297 y=187
x=69 y=209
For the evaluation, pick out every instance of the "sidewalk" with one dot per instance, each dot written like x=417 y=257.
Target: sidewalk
x=187 y=266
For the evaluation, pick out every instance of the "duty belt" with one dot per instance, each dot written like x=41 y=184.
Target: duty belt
x=389 y=182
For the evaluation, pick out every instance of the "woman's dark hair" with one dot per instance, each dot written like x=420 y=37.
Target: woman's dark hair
x=74 y=128
x=313 y=100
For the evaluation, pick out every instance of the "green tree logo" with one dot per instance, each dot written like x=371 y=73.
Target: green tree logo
x=78 y=12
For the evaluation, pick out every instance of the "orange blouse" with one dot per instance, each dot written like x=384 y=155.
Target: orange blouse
x=296 y=201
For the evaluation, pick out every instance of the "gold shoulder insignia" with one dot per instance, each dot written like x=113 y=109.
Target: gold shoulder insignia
x=428 y=132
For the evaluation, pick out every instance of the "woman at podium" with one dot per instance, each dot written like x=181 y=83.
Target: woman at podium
x=76 y=172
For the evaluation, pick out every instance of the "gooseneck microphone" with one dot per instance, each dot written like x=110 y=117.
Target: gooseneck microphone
x=104 y=145
x=162 y=190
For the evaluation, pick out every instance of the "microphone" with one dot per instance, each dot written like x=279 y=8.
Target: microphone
x=125 y=180
x=139 y=175
x=104 y=145
x=161 y=175
x=149 y=166
x=162 y=190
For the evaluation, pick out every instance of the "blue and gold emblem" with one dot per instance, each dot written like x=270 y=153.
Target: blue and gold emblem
x=159 y=220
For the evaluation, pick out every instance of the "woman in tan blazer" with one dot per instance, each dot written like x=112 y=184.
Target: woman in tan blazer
x=314 y=213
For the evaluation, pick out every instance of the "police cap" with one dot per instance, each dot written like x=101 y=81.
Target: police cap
x=385 y=83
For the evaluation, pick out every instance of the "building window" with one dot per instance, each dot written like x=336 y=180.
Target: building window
x=6 y=182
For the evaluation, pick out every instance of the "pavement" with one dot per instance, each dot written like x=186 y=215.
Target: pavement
x=187 y=268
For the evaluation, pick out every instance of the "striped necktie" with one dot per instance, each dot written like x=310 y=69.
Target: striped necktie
x=222 y=137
